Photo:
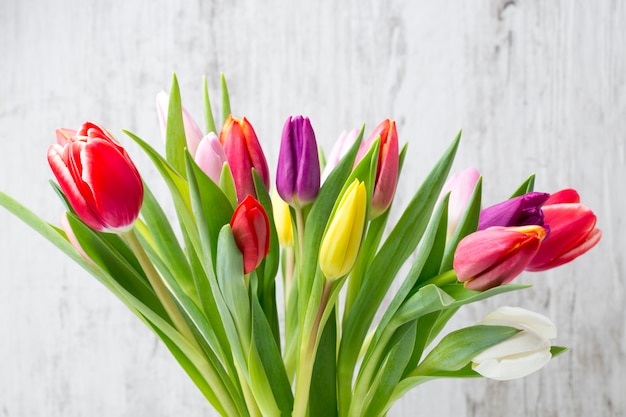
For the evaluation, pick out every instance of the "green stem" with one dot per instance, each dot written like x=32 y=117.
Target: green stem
x=307 y=357
x=160 y=289
x=300 y=229
x=445 y=278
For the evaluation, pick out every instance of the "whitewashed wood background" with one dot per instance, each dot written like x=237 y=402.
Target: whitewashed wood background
x=537 y=86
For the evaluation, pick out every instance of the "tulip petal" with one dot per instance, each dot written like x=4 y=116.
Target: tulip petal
x=567 y=195
x=115 y=183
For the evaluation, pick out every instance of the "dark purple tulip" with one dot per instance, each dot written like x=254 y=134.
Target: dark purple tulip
x=298 y=170
x=519 y=211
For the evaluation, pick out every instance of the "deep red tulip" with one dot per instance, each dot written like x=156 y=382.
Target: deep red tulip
x=388 y=165
x=98 y=178
x=495 y=256
x=251 y=229
x=243 y=152
x=572 y=231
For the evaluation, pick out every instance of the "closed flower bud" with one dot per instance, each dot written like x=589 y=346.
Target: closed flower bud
x=519 y=211
x=339 y=150
x=98 y=178
x=495 y=256
x=572 y=231
x=521 y=354
x=210 y=157
x=243 y=152
x=282 y=219
x=460 y=186
x=251 y=230
x=388 y=165
x=298 y=169
x=342 y=240
x=193 y=134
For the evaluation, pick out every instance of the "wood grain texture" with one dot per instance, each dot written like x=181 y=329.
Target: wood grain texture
x=537 y=86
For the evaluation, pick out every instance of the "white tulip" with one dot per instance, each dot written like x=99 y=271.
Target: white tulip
x=522 y=354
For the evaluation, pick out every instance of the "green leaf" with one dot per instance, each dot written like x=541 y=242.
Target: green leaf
x=225 y=100
x=107 y=255
x=398 y=246
x=323 y=392
x=558 y=350
x=175 y=140
x=526 y=187
x=165 y=243
x=208 y=112
x=458 y=348
x=272 y=362
x=391 y=370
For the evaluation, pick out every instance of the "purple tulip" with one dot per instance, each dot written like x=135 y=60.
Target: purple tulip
x=519 y=211
x=298 y=170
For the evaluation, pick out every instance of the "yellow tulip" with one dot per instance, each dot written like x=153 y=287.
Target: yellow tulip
x=282 y=220
x=341 y=243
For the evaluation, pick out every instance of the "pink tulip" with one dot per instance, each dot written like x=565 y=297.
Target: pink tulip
x=339 y=150
x=388 y=165
x=210 y=157
x=572 y=231
x=98 y=178
x=243 y=152
x=460 y=186
x=495 y=256
x=193 y=134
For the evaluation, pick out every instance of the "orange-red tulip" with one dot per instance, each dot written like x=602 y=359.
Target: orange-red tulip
x=251 y=230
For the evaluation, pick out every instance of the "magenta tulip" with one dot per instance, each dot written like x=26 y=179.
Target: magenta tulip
x=210 y=157
x=193 y=134
x=572 y=231
x=388 y=165
x=495 y=256
x=298 y=169
x=251 y=230
x=243 y=152
x=98 y=178
x=518 y=211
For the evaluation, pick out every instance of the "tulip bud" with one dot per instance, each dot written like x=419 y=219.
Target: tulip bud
x=298 y=170
x=339 y=150
x=193 y=134
x=460 y=186
x=572 y=231
x=388 y=165
x=210 y=157
x=519 y=211
x=282 y=219
x=251 y=230
x=98 y=178
x=521 y=354
x=342 y=240
x=495 y=256
x=243 y=152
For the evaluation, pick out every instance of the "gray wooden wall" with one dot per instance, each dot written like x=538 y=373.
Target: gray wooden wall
x=536 y=86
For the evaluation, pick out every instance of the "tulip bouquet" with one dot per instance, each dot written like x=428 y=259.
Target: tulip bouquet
x=206 y=281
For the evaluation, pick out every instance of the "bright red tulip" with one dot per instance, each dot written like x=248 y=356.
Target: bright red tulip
x=251 y=230
x=495 y=256
x=243 y=152
x=98 y=178
x=388 y=165
x=572 y=231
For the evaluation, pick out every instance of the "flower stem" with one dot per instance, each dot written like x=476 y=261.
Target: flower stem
x=304 y=372
x=160 y=289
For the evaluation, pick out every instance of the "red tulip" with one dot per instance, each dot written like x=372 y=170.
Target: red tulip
x=495 y=256
x=243 y=152
x=388 y=165
x=572 y=231
x=251 y=230
x=98 y=178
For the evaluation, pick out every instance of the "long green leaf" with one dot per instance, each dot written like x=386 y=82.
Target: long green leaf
x=175 y=140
